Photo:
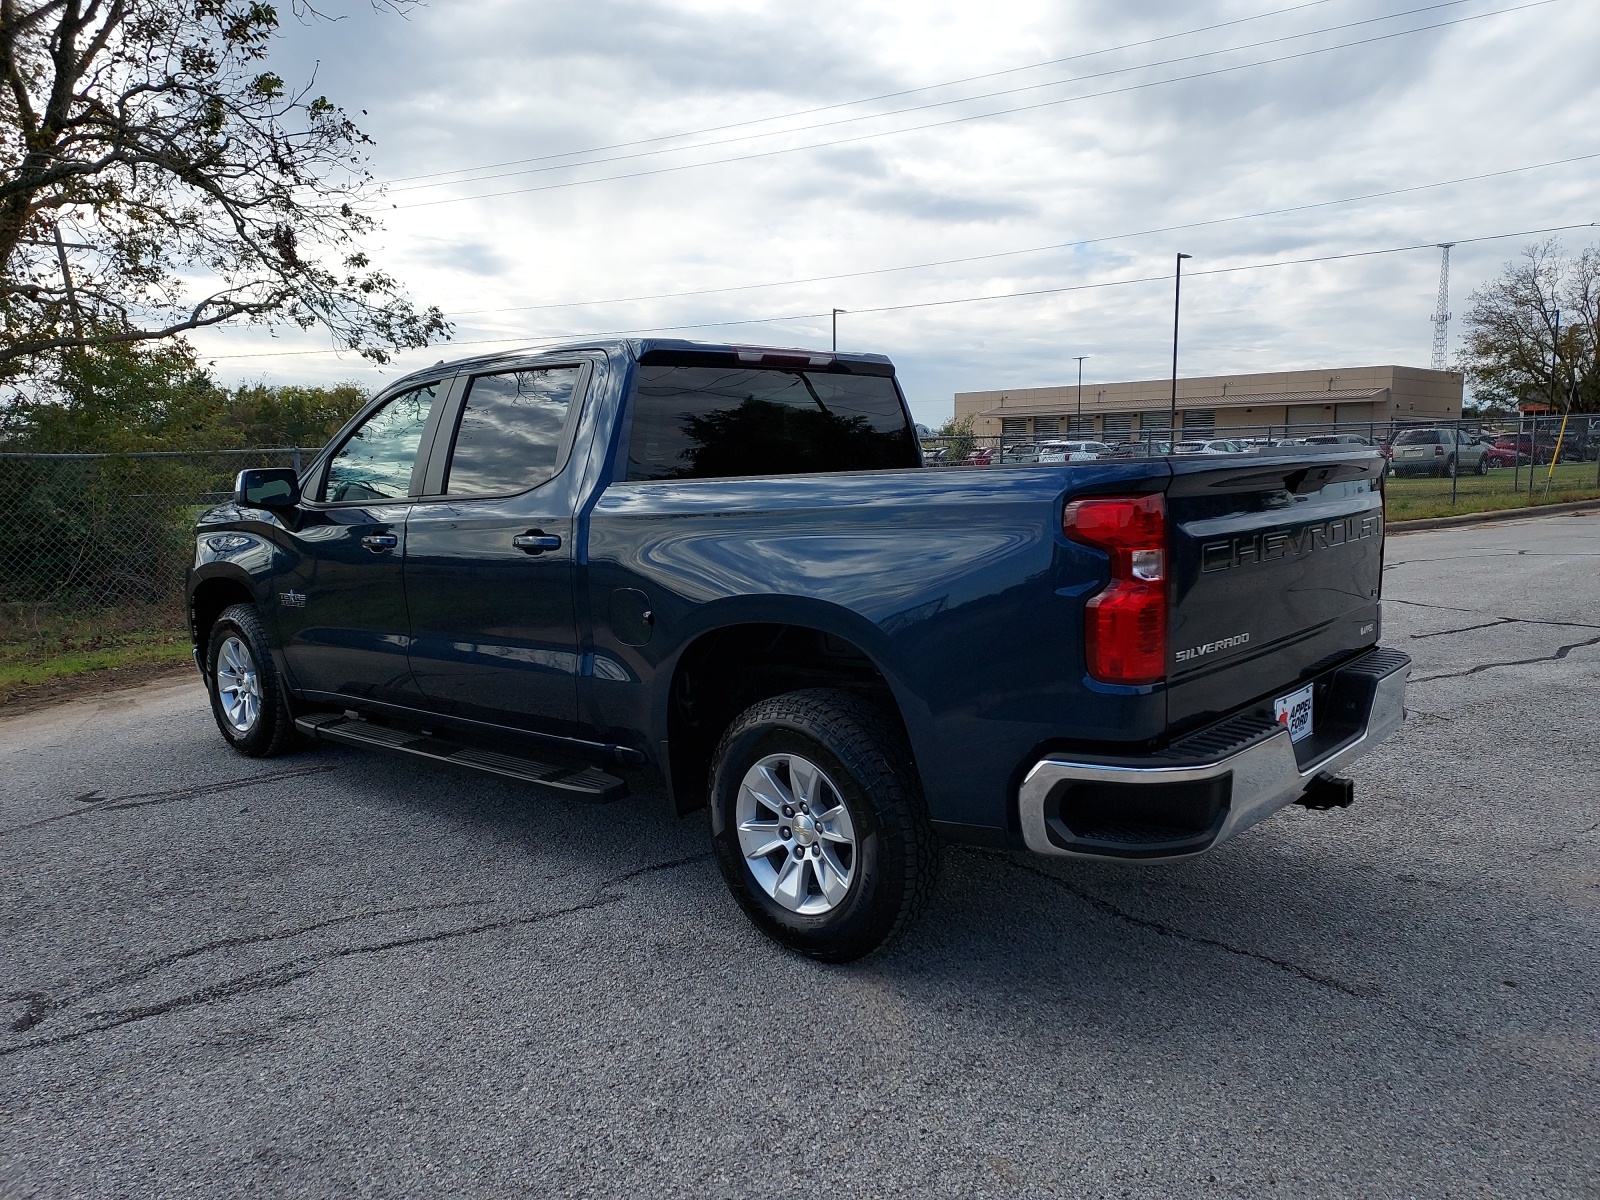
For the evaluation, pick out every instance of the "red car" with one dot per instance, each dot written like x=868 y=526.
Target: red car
x=1504 y=454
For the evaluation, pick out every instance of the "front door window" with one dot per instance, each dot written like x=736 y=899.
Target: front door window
x=376 y=460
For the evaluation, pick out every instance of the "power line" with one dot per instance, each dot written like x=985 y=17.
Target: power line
x=1032 y=87
x=806 y=112
x=1165 y=277
x=972 y=258
x=978 y=116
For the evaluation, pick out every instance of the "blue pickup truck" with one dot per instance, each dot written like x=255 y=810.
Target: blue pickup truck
x=730 y=565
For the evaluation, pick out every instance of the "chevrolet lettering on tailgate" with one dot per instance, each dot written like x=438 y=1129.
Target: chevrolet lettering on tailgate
x=1276 y=546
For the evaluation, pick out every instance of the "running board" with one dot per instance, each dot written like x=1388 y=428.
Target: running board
x=574 y=781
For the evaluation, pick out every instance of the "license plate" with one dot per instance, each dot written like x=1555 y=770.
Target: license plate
x=1293 y=712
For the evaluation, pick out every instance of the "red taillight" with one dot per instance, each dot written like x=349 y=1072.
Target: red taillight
x=1125 y=626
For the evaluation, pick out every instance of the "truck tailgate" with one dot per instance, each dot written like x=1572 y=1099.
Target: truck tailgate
x=1276 y=566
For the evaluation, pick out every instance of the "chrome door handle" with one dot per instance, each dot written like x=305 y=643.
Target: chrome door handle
x=380 y=541
x=536 y=543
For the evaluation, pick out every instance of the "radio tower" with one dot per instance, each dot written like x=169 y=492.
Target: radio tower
x=1441 y=314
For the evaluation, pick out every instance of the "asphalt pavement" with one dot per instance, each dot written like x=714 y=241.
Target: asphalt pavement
x=337 y=973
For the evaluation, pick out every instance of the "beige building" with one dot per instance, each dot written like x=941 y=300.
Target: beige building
x=1302 y=401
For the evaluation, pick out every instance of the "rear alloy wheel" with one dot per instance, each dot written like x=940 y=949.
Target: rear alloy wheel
x=247 y=696
x=818 y=824
x=1483 y=465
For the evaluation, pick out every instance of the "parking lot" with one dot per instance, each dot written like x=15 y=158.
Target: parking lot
x=335 y=973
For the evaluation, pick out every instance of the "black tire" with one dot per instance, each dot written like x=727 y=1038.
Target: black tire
x=272 y=729
x=895 y=854
x=1483 y=465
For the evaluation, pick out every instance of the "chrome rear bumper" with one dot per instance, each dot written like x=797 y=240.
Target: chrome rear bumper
x=1258 y=780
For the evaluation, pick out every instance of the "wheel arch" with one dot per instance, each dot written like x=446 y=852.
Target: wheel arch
x=738 y=660
x=213 y=593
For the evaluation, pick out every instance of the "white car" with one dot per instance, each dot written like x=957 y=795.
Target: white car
x=1054 y=452
x=1213 y=446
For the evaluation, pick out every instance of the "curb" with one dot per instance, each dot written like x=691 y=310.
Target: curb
x=1498 y=514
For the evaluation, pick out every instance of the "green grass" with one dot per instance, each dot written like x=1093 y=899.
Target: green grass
x=39 y=645
x=1414 y=498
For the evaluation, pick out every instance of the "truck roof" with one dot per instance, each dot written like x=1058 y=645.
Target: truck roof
x=675 y=350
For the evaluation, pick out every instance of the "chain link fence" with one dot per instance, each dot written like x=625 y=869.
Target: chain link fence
x=86 y=534
x=83 y=534
x=1434 y=469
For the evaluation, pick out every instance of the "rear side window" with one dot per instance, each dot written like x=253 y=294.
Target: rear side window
x=1419 y=437
x=511 y=430
x=716 y=422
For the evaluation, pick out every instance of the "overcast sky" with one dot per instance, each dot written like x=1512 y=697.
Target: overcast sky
x=1113 y=142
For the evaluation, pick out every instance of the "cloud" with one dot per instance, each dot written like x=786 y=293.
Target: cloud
x=474 y=82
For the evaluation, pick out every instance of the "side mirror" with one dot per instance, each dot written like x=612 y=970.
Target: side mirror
x=267 y=487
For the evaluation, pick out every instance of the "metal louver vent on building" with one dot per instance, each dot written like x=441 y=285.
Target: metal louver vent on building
x=1013 y=429
x=1116 y=425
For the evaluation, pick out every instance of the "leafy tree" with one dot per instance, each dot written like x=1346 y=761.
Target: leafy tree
x=157 y=177
x=289 y=415
x=956 y=436
x=155 y=396
x=1511 y=353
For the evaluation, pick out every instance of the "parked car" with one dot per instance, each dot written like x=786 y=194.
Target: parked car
x=1438 y=451
x=1541 y=447
x=1150 y=449
x=1214 y=446
x=727 y=565
x=1019 y=452
x=979 y=456
x=1054 y=452
x=1504 y=454
x=1337 y=439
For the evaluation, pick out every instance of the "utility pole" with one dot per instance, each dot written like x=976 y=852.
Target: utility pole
x=1555 y=452
x=1441 y=312
x=836 y=313
x=1078 y=428
x=1177 y=292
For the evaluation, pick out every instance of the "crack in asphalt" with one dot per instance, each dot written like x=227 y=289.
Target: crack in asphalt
x=1505 y=553
x=1489 y=624
x=93 y=802
x=41 y=1005
x=1560 y=653
x=1288 y=967
x=1563 y=844
x=1172 y=931
x=1424 y=604
x=1498 y=621
x=276 y=975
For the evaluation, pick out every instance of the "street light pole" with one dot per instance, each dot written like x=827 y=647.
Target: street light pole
x=1078 y=428
x=1177 y=292
x=836 y=313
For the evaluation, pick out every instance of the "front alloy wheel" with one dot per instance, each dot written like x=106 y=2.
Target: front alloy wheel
x=247 y=697
x=238 y=685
